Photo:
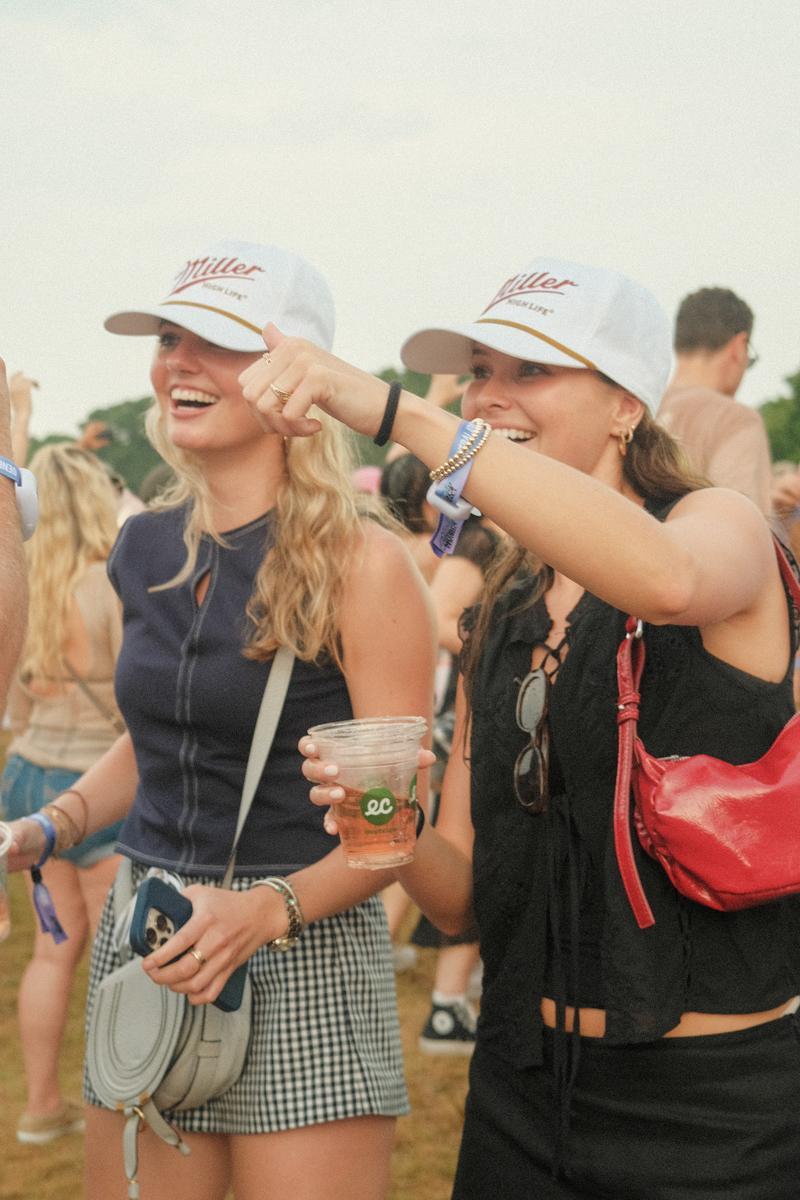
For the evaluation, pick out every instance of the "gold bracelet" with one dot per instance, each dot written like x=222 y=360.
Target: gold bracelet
x=84 y=810
x=478 y=437
x=67 y=833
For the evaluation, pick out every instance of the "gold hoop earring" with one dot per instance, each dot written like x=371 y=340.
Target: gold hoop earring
x=624 y=438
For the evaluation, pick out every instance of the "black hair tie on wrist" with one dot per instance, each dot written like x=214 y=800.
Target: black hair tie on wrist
x=389 y=413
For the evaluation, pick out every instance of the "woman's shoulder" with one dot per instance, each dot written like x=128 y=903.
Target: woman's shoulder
x=382 y=577
x=380 y=550
x=151 y=536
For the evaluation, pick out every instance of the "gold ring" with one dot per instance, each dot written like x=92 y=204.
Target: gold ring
x=267 y=358
x=195 y=953
x=280 y=393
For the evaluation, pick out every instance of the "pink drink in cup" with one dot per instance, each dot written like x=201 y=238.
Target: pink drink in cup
x=377 y=761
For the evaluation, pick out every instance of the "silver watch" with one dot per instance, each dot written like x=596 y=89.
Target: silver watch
x=293 y=911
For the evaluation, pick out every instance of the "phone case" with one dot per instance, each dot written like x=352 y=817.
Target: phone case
x=159 y=912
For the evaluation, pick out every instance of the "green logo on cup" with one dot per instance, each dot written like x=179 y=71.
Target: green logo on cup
x=412 y=793
x=378 y=806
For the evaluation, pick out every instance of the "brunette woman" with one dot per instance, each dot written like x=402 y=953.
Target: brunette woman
x=658 y=1063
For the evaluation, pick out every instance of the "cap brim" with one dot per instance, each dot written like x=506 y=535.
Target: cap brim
x=219 y=328
x=449 y=351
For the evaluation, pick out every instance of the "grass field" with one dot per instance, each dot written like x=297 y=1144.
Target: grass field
x=427 y=1140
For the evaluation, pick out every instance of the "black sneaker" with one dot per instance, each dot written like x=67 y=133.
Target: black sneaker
x=449 y=1029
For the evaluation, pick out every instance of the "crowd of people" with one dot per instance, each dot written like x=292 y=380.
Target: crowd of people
x=607 y=1059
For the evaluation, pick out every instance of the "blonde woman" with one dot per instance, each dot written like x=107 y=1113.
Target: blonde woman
x=64 y=718
x=262 y=542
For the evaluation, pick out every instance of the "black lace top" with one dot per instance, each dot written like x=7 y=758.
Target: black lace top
x=549 y=900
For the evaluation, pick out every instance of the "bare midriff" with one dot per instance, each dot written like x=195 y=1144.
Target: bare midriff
x=691 y=1024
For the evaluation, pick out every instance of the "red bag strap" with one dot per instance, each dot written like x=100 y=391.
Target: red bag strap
x=630 y=664
x=788 y=575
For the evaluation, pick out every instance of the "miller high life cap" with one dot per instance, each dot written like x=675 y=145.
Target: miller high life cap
x=566 y=315
x=229 y=291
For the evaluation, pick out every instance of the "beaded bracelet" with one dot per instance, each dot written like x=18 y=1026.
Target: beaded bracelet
x=466 y=449
x=449 y=480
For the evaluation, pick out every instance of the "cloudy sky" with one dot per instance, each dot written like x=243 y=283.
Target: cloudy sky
x=417 y=151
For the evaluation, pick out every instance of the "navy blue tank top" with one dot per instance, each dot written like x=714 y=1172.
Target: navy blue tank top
x=190 y=699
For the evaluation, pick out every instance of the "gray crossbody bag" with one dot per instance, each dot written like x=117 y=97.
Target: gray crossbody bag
x=148 y=1050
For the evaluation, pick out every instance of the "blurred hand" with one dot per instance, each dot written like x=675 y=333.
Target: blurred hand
x=445 y=390
x=20 y=387
x=323 y=775
x=785 y=494
x=95 y=435
x=226 y=928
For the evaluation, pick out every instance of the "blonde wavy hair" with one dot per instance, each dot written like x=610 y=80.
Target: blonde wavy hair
x=297 y=593
x=77 y=527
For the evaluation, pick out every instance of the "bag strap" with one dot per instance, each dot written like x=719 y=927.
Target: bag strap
x=91 y=695
x=787 y=574
x=630 y=665
x=263 y=735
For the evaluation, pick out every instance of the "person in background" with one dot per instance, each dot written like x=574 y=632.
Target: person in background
x=261 y=543
x=449 y=1027
x=95 y=436
x=612 y=1058
x=13 y=584
x=725 y=441
x=63 y=718
x=367 y=479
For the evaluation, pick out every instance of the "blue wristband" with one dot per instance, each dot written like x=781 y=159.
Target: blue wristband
x=42 y=900
x=25 y=493
x=49 y=833
x=446 y=494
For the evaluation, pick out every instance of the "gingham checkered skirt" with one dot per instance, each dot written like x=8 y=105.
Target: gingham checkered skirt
x=325 y=1034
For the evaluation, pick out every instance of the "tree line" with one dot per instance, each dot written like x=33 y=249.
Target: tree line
x=130 y=455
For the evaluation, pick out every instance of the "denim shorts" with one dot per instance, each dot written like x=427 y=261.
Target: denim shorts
x=25 y=788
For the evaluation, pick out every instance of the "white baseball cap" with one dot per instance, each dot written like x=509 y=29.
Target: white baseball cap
x=566 y=315
x=229 y=291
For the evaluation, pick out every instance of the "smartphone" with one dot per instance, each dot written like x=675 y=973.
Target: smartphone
x=160 y=911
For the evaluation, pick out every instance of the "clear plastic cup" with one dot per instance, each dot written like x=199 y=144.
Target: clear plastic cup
x=6 y=838
x=377 y=761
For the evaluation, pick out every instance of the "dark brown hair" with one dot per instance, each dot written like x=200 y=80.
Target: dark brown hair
x=709 y=318
x=654 y=466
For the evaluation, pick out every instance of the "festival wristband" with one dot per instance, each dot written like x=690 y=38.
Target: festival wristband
x=445 y=494
x=25 y=494
x=49 y=836
x=42 y=900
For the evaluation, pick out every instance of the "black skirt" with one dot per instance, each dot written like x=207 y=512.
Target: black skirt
x=698 y=1118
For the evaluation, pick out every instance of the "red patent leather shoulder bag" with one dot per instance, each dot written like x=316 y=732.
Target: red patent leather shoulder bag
x=727 y=836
